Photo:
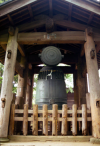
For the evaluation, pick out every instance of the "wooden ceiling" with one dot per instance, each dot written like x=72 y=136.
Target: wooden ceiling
x=31 y=18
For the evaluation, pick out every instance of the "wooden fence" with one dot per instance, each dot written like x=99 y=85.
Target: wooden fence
x=50 y=116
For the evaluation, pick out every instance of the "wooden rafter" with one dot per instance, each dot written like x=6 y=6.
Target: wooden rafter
x=70 y=11
x=83 y=4
x=30 y=11
x=10 y=19
x=90 y=18
x=74 y=25
x=14 y=6
x=50 y=8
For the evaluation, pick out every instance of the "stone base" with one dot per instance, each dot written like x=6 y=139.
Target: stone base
x=95 y=140
x=4 y=139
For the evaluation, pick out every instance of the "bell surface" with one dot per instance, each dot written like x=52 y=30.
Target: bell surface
x=51 y=87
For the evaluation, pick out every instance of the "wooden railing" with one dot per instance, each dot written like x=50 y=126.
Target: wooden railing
x=54 y=116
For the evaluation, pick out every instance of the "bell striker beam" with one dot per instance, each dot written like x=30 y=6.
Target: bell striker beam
x=92 y=69
x=6 y=92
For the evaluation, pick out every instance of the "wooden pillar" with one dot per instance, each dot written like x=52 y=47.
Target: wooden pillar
x=20 y=92
x=29 y=89
x=80 y=85
x=6 y=92
x=45 y=119
x=35 y=120
x=81 y=81
x=92 y=69
x=54 y=119
x=21 y=88
x=64 y=120
x=75 y=88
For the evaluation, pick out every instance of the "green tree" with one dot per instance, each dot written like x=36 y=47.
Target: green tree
x=14 y=82
x=1 y=1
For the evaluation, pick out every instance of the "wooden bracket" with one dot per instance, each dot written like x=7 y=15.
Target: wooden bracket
x=3 y=102
x=98 y=103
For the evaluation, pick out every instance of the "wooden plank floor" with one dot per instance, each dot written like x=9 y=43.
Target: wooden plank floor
x=21 y=138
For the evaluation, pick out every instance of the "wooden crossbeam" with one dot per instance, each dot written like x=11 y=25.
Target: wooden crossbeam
x=62 y=37
x=74 y=25
x=32 y=25
x=52 y=38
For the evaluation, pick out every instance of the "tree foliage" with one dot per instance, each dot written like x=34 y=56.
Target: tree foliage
x=1 y=1
x=15 y=81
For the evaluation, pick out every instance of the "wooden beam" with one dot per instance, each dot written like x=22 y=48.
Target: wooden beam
x=21 y=50
x=74 y=25
x=31 y=25
x=10 y=19
x=65 y=69
x=30 y=11
x=14 y=5
x=50 y=8
x=62 y=37
x=52 y=38
x=49 y=25
x=83 y=4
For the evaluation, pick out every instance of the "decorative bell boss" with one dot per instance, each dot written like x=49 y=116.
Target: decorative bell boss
x=51 y=87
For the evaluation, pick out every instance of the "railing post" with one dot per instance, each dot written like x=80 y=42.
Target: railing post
x=64 y=120
x=54 y=119
x=25 y=120
x=74 y=119
x=35 y=120
x=11 y=125
x=45 y=119
x=84 y=119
